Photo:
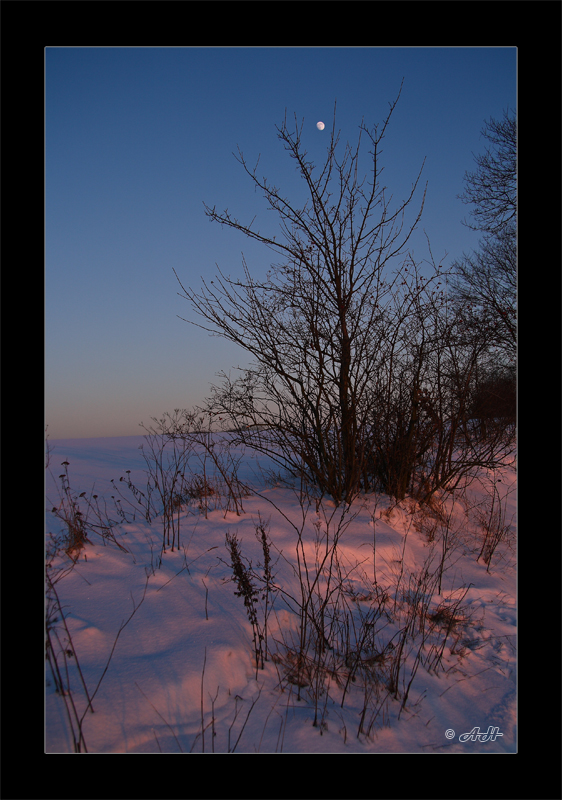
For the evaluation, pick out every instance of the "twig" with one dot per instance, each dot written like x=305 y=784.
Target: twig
x=246 y=720
x=123 y=626
x=202 y=679
x=163 y=720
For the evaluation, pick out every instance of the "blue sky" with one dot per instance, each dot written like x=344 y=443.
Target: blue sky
x=137 y=138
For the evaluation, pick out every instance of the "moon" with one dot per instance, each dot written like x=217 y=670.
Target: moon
x=320 y=126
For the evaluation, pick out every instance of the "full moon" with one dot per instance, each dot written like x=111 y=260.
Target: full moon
x=320 y=126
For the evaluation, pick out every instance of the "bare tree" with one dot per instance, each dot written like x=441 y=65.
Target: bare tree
x=423 y=433
x=462 y=439
x=486 y=280
x=328 y=317
x=492 y=188
x=485 y=286
x=363 y=378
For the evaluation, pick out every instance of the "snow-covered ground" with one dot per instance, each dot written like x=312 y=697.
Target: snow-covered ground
x=181 y=676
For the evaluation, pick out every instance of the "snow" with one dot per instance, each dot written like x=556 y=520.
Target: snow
x=182 y=673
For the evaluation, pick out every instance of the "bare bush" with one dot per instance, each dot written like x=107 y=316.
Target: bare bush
x=494 y=524
x=329 y=320
x=188 y=459
x=363 y=374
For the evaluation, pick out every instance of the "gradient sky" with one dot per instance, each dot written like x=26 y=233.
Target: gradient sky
x=137 y=138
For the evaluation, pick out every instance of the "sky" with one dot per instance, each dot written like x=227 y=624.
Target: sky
x=137 y=139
